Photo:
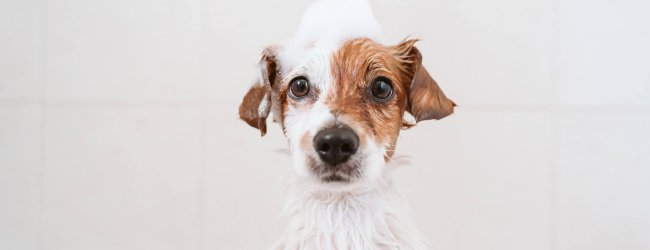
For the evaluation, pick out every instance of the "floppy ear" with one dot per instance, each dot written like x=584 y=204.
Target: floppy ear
x=256 y=106
x=426 y=100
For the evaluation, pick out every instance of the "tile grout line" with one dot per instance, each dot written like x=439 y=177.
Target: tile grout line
x=40 y=234
x=553 y=171
x=620 y=109
x=203 y=60
x=202 y=179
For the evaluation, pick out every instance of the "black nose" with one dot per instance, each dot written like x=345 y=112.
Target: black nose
x=335 y=145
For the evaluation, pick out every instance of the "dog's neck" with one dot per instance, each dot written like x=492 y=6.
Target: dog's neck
x=367 y=217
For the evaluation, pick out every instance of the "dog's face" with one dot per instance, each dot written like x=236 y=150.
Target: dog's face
x=341 y=106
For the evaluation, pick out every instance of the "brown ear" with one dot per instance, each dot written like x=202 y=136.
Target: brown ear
x=256 y=106
x=425 y=98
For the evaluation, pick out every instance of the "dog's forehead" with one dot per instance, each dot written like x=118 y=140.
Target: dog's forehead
x=313 y=58
x=326 y=24
x=316 y=59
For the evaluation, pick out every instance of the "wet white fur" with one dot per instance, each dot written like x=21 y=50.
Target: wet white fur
x=368 y=213
x=334 y=20
x=368 y=217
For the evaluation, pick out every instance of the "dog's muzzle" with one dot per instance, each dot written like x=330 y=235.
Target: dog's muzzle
x=335 y=145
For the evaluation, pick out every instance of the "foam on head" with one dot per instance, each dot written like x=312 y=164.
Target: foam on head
x=330 y=22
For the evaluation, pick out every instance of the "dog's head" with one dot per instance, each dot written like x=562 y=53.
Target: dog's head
x=340 y=95
x=342 y=105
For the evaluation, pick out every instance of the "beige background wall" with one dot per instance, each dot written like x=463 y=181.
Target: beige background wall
x=118 y=125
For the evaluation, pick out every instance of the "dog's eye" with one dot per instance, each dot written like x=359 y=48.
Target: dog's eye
x=382 y=89
x=299 y=87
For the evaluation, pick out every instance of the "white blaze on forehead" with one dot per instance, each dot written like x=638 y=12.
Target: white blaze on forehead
x=300 y=121
x=333 y=20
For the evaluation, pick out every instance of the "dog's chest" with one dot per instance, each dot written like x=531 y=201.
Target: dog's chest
x=334 y=221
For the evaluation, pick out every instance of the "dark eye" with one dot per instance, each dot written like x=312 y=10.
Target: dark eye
x=299 y=87
x=382 y=89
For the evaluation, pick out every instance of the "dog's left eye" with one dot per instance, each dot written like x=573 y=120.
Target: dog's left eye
x=382 y=89
x=299 y=87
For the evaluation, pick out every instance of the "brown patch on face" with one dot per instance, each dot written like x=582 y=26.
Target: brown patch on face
x=305 y=142
x=355 y=66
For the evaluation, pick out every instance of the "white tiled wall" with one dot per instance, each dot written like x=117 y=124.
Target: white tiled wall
x=119 y=128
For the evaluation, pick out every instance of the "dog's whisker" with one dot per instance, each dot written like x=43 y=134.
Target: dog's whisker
x=284 y=151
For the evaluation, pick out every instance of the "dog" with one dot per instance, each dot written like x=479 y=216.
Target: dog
x=341 y=97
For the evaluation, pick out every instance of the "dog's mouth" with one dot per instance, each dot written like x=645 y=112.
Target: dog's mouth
x=341 y=173
x=335 y=177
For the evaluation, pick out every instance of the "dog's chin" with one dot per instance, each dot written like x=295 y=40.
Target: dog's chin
x=336 y=183
x=336 y=178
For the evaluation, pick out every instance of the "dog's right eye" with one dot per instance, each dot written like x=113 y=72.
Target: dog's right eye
x=299 y=87
x=381 y=89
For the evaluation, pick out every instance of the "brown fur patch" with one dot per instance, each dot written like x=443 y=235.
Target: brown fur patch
x=305 y=142
x=249 y=108
x=354 y=68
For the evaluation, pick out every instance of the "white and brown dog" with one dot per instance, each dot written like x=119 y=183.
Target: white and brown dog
x=340 y=96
